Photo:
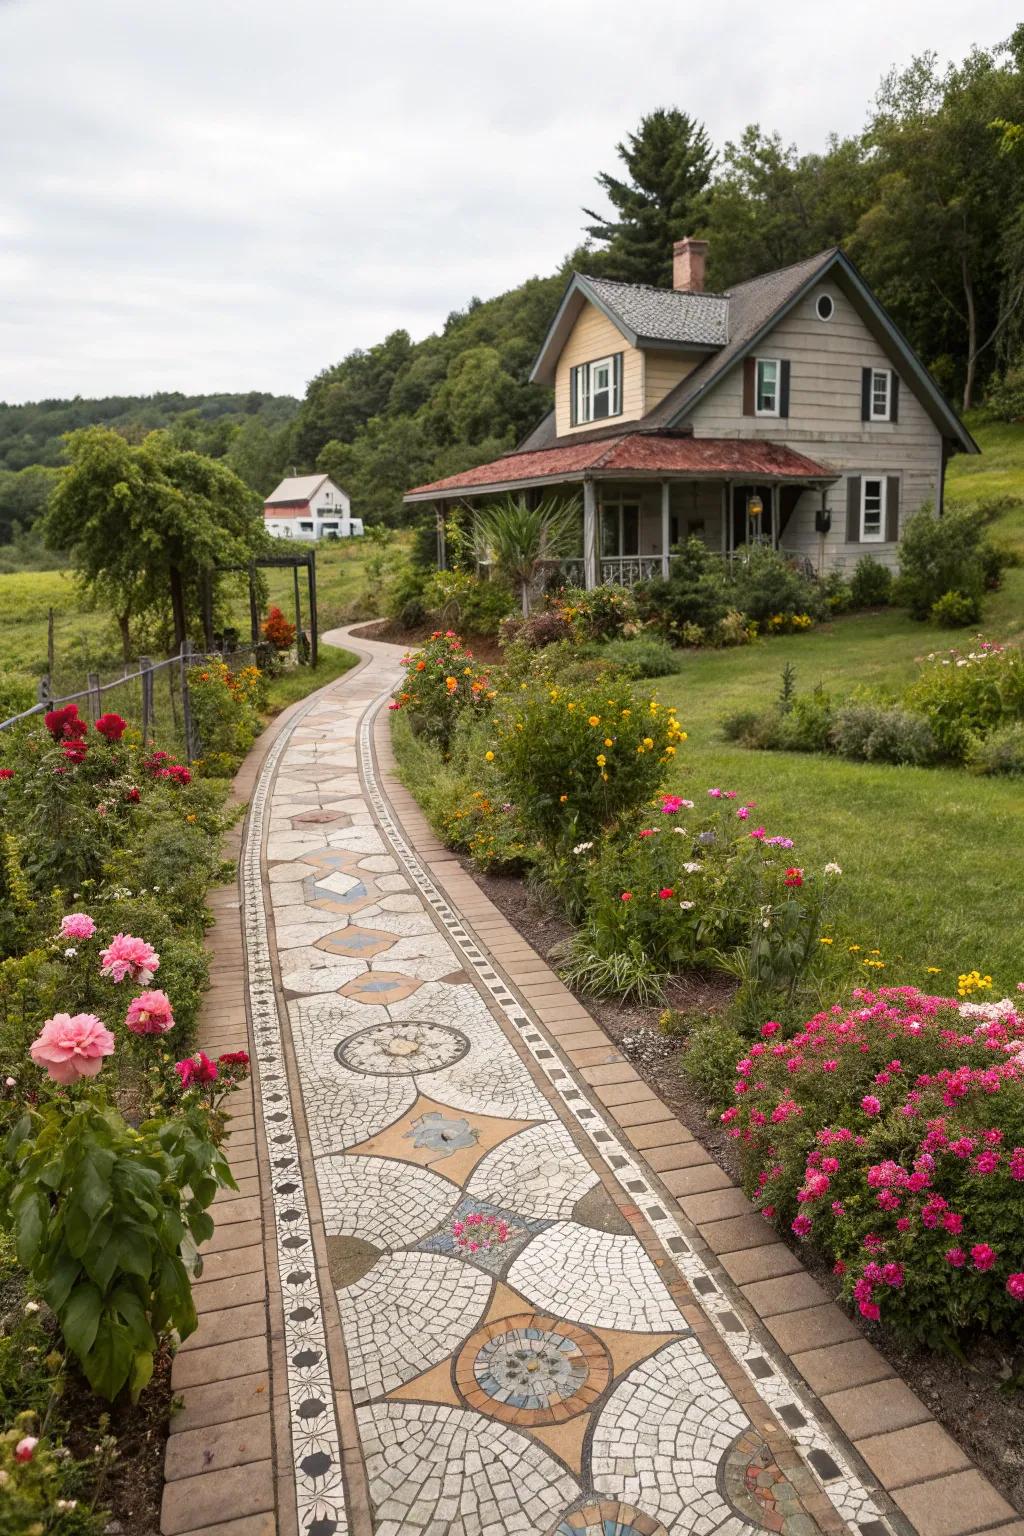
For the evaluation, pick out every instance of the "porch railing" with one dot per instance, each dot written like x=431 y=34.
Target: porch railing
x=624 y=570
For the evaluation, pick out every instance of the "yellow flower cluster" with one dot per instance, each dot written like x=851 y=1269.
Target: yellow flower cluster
x=971 y=982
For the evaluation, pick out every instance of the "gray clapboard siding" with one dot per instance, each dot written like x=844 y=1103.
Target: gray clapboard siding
x=824 y=422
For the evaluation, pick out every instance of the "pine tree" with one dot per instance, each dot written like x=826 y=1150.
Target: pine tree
x=669 y=159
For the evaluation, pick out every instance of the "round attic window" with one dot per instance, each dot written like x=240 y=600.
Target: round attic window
x=825 y=306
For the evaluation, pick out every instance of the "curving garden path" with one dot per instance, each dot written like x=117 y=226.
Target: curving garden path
x=478 y=1279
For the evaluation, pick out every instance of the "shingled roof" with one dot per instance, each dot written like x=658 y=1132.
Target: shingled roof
x=636 y=453
x=663 y=314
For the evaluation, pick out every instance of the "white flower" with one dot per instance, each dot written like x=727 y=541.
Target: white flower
x=12 y=1082
x=766 y=922
x=832 y=869
x=687 y=906
x=64 y=1505
x=693 y=868
x=31 y=1306
x=70 y=953
x=687 y=805
x=582 y=847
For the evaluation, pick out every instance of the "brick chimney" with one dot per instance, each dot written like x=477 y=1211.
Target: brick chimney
x=688 y=258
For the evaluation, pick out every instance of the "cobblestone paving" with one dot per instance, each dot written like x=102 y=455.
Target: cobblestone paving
x=517 y=1359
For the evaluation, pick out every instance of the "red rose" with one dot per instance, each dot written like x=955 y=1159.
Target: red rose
x=111 y=726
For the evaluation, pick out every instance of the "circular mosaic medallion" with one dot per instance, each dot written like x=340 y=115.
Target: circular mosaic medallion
x=608 y=1518
x=532 y=1369
x=402 y=1050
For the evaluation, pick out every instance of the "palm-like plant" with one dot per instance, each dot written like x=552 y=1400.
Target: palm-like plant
x=520 y=540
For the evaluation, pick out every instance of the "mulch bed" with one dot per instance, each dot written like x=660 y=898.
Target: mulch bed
x=967 y=1396
x=484 y=647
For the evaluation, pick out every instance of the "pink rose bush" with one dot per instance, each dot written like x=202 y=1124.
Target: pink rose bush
x=72 y=1046
x=150 y=1014
x=890 y=1134
x=77 y=925
x=126 y=957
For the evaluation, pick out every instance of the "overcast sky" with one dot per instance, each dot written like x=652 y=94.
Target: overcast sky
x=232 y=194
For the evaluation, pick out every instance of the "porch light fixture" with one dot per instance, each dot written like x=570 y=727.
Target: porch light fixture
x=755 y=506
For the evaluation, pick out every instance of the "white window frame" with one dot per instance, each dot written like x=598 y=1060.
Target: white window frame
x=885 y=414
x=825 y=298
x=760 y=363
x=865 y=536
x=585 y=391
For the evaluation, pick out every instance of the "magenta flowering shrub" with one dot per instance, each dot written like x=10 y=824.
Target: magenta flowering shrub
x=890 y=1134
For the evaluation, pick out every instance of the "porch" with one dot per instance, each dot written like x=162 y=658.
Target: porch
x=644 y=495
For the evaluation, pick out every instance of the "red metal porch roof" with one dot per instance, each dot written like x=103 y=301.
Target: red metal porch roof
x=641 y=453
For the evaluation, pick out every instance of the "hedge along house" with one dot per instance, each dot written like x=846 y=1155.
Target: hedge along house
x=789 y=411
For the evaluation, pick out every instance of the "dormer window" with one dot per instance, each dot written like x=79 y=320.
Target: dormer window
x=596 y=389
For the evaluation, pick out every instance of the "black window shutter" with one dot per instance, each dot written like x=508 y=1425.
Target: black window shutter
x=573 y=378
x=853 y=510
x=617 y=384
x=784 y=389
x=749 y=384
x=865 y=394
x=892 y=509
x=894 y=397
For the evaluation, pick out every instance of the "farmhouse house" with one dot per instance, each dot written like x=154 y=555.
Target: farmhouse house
x=310 y=507
x=789 y=410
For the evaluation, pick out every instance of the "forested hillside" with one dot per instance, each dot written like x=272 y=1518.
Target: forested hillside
x=928 y=199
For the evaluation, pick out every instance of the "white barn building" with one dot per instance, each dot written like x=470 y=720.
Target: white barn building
x=310 y=507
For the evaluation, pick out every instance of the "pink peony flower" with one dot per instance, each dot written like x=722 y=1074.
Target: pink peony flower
x=196 y=1069
x=111 y=726
x=801 y=1225
x=77 y=925
x=956 y=1257
x=131 y=958
x=626 y=896
x=870 y=1105
x=982 y=1256
x=150 y=1014
x=26 y=1448
x=72 y=1047
x=1015 y=1285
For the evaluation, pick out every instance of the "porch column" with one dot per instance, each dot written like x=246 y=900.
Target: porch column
x=590 y=571
x=726 y=505
x=442 y=552
x=665 y=527
x=775 y=516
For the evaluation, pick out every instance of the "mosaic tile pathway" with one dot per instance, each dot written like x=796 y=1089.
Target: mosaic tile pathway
x=520 y=1348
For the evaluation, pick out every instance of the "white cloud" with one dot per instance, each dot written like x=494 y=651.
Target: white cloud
x=232 y=195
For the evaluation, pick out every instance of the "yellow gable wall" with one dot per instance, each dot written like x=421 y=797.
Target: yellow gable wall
x=647 y=376
x=592 y=337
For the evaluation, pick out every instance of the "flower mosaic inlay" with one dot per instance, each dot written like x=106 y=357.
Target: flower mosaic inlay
x=515 y=1357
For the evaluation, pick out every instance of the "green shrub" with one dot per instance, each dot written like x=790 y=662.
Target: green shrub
x=575 y=759
x=713 y=1047
x=837 y=592
x=803 y=726
x=1000 y=752
x=545 y=626
x=406 y=601
x=642 y=657
x=884 y=733
x=967 y=694
x=1005 y=397
x=441 y=682
x=955 y=610
x=871 y=584
x=734 y=629
x=604 y=613
x=696 y=595
x=475 y=606
x=940 y=555
x=765 y=583
x=225 y=712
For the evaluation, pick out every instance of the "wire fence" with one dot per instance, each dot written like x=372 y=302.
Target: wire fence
x=154 y=695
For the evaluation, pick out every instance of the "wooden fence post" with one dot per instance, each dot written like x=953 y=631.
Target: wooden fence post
x=254 y=612
x=186 y=702
x=298 y=612
x=95 y=697
x=51 y=665
x=314 y=649
x=146 y=668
